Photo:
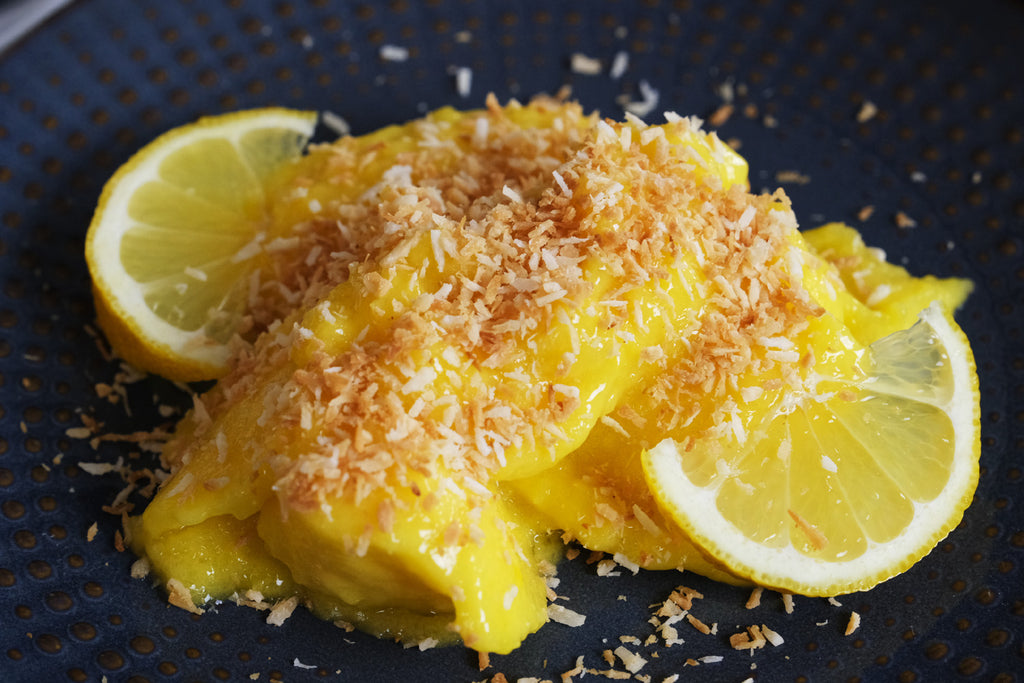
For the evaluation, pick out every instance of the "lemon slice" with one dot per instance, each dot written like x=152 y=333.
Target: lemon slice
x=837 y=491
x=176 y=233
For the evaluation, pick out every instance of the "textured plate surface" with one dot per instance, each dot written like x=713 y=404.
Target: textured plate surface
x=914 y=109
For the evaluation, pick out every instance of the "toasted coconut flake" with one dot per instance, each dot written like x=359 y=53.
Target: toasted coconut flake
x=721 y=115
x=814 y=535
x=335 y=122
x=853 y=624
x=755 y=597
x=865 y=212
x=772 y=636
x=99 y=468
x=624 y=561
x=698 y=624
x=280 y=612
x=78 y=432
x=394 y=53
x=868 y=110
x=620 y=63
x=463 y=81
x=566 y=616
x=631 y=660
x=180 y=596
x=614 y=425
x=791 y=176
x=140 y=568
x=684 y=597
x=577 y=670
x=582 y=64
x=902 y=220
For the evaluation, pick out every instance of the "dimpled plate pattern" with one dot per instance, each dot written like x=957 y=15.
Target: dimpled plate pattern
x=914 y=109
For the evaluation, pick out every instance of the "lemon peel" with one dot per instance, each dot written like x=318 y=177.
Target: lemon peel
x=163 y=242
x=852 y=467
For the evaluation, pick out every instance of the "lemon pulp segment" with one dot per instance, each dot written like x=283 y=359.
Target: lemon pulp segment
x=474 y=324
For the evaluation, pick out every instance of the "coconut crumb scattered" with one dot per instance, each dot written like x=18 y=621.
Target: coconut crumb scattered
x=483 y=660
x=394 y=53
x=78 y=432
x=337 y=123
x=647 y=103
x=426 y=644
x=612 y=674
x=630 y=660
x=865 y=212
x=140 y=568
x=582 y=64
x=721 y=115
x=620 y=63
x=625 y=562
x=751 y=639
x=180 y=596
x=684 y=596
x=902 y=220
x=772 y=636
x=787 y=602
x=792 y=177
x=280 y=612
x=868 y=110
x=98 y=468
x=853 y=624
x=91 y=532
x=577 y=670
x=463 y=81
x=698 y=624
x=564 y=615
x=755 y=597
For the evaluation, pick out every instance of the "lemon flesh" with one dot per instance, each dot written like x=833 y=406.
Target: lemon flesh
x=178 y=232
x=846 y=485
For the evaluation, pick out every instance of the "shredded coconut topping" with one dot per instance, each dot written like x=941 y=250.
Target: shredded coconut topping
x=492 y=243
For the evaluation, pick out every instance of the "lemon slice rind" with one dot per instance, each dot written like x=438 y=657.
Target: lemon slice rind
x=785 y=568
x=136 y=332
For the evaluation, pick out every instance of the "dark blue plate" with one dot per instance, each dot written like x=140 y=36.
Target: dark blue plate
x=942 y=142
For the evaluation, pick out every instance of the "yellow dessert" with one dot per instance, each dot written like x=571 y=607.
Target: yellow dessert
x=460 y=336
